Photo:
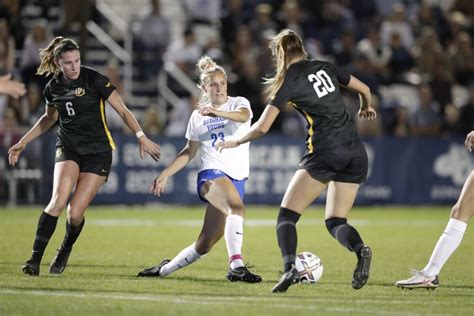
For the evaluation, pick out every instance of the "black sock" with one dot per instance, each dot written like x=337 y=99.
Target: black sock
x=46 y=226
x=71 y=235
x=286 y=234
x=345 y=234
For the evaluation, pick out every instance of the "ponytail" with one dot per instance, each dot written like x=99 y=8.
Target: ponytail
x=53 y=52
x=285 y=46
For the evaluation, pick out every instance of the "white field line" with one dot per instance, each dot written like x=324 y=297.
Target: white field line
x=312 y=305
x=258 y=222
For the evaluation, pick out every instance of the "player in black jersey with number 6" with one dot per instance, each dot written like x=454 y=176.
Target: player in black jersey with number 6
x=335 y=157
x=75 y=96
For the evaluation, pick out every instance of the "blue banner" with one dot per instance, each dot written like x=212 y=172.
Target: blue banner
x=401 y=171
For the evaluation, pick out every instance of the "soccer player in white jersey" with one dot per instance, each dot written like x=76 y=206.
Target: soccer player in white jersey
x=221 y=177
x=452 y=236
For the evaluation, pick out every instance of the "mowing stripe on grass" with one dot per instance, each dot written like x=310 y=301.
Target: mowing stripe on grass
x=258 y=222
x=311 y=304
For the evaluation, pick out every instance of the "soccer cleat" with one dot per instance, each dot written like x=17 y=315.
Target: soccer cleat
x=31 y=268
x=243 y=274
x=362 y=270
x=287 y=279
x=59 y=262
x=153 y=271
x=419 y=280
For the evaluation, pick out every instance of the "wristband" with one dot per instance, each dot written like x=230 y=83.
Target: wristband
x=139 y=134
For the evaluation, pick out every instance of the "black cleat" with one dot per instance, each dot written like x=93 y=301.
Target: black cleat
x=153 y=271
x=31 y=268
x=243 y=274
x=287 y=279
x=59 y=262
x=362 y=270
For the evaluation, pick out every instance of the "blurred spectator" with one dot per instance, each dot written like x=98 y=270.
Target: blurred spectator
x=401 y=126
x=427 y=51
x=345 y=50
x=377 y=51
x=152 y=123
x=152 y=37
x=441 y=82
x=397 y=23
x=232 y=18
x=426 y=120
x=466 y=117
x=10 y=11
x=185 y=52
x=451 y=126
x=33 y=105
x=249 y=84
x=178 y=116
x=401 y=60
x=292 y=17
x=80 y=12
x=37 y=39
x=10 y=130
x=462 y=58
x=7 y=49
x=244 y=48
x=457 y=23
x=112 y=71
x=262 y=23
x=203 y=17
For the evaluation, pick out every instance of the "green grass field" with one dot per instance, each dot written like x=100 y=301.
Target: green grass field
x=118 y=242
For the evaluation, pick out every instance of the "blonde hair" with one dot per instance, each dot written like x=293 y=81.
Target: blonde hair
x=285 y=46
x=53 y=52
x=207 y=67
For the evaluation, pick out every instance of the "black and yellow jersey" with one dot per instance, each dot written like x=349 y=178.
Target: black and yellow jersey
x=312 y=87
x=81 y=107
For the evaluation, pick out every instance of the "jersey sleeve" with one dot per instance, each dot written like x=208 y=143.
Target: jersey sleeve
x=104 y=86
x=284 y=93
x=244 y=103
x=343 y=75
x=191 y=129
x=47 y=96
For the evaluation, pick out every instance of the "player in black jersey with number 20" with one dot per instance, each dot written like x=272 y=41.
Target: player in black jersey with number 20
x=335 y=156
x=76 y=96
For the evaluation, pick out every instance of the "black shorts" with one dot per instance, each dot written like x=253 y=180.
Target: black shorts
x=98 y=163
x=343 y=163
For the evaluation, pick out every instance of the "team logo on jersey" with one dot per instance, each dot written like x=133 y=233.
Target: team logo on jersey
x=108 y=85
x=58 y=152
x=79 y=92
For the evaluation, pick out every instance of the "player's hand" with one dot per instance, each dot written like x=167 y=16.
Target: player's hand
x=207 y=111
x=14 y=153
x=226 y=144
x=469 y=142
x=13 y=88
x=368 y=113
x=158 y=185
x=149 y=147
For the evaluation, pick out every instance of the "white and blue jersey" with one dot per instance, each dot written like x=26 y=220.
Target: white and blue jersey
x=209 y=131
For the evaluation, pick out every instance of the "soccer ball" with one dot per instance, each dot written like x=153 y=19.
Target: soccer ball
x=309 y=267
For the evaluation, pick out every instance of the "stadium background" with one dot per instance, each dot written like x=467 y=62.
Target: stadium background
x=416 y=56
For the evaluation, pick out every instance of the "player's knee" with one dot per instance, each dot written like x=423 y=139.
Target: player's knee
x=56 y=206
x=75 y=216
x=237 y=208
x=332 y=224
x=462 y=211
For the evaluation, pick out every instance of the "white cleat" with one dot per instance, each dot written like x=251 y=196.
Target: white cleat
x=419 y=280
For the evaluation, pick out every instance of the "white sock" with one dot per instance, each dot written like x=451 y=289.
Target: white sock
x=234 y=236
x=187 y=256
x=447 y=243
